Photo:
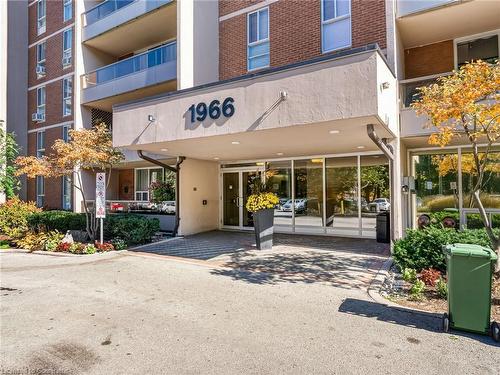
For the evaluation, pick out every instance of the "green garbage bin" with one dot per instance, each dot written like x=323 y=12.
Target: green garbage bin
x=469 y=272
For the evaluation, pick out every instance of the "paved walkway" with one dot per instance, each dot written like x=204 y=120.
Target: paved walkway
x=341 y=262
x=129 y=313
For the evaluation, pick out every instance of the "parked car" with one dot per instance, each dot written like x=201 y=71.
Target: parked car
x=300 y=206
x=167 y=207
x=379 y=204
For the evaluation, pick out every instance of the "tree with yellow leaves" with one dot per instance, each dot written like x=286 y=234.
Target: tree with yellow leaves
x=88 y=149
x=466 y=104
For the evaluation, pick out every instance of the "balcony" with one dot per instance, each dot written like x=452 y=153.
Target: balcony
x=143 y=22
x=155 y=68
x=425 y=22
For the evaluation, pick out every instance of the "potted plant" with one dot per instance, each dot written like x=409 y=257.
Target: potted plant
x=261 y=203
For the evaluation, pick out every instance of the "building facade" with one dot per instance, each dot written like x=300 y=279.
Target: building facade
x=311 y=95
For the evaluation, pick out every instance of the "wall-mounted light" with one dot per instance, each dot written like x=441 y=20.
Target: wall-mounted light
x=384 y=85
x=151 y=118
x=283 y=95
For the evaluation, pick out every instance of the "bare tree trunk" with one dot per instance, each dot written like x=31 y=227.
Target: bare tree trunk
x=495 y=241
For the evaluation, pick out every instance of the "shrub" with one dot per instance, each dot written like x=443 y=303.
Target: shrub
x=442 y=288
x=63 y=247
x=119 y=244
x=409 y=275
x=473 y=220
x=90 y=249
x=417 y=289
x=105 y=246
x=14 y=217
x=133 y=229
x=421 y=249
x=77 y=248
x=32 y=241
x=61 y=221
x=430 y=276
x=52 y=241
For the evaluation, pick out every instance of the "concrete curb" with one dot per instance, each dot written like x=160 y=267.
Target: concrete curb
x=374 y=292
x=57 y=254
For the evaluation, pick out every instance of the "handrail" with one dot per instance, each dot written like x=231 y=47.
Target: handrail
x=106 y=7
x=133 y=64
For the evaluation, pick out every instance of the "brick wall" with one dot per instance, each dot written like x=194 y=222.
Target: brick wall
x=295 y=31
x=53 y=20
x=430 y=59
x=126 y=184
x=53 y=106
x=53 y=186
x=53 y=61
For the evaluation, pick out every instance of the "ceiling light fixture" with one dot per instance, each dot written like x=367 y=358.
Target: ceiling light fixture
x=216 y=158
x=279 y=153
x=164 y=149
x=360 y=147
x=334 y=131
x=235 y=143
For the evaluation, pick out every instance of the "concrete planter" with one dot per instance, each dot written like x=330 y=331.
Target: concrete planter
x=263 y=221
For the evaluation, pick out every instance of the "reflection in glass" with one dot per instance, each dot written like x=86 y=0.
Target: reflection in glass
x=436 y=182
x=231 y=215
x=279 y=179
x=309 y=192
x=341 y=194
x=490 y=186
x=375 y=190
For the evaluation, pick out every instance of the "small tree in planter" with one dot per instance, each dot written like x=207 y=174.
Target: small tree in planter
x=88 y=149
x=261 y=203
x=466 y=105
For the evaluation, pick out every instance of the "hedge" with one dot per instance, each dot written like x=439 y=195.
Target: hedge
x=61 y=221
x=473 y=220
x=133 y=229
x=421 y=249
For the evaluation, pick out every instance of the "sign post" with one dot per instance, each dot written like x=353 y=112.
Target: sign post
x=100 y=201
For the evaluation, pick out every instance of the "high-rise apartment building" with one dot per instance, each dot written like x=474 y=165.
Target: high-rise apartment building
x=312 y=95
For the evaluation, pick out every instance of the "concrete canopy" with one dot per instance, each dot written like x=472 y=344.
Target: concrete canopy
x=327 y=106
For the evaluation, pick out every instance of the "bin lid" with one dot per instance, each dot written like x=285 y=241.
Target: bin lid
x=469 y=250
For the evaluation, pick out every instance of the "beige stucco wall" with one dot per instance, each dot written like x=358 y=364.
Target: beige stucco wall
x=199 y=180
x=343 y=88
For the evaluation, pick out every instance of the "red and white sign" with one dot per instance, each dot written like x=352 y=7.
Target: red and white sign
x=100 y=195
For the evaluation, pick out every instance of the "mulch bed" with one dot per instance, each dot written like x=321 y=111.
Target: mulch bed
x=396 y=290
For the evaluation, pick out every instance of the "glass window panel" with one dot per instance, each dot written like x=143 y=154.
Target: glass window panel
x=263 y=24
x=67 y=10
x=342 y=7
x=258 y=49
x=337 y=34
x=67 y=39
x=308 y=175
x=490 y=187
x=155 y=175
x=328 y=9
x=141 y=180
x=252 y=28
x=436 y=183
x=258 y=62
x=279 y=178
x=342 y=194
x=231 y=193
x=375 y=189
x=479 y=49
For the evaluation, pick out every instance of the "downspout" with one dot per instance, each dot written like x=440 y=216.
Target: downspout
x=389 y=153
x=176 y=170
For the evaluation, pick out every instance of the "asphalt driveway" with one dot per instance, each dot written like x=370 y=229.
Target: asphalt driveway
x=129 y=313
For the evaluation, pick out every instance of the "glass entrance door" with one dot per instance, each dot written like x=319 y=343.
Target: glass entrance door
x=236 y=188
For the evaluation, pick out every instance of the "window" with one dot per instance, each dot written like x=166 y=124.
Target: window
x=335 y=24
x=41 y=12
x=40 y=191
x=65 y=133
x=40 y=101
x=67 y=95
x=40 y=144
x=66 y=193
x=67 y=44
x=40 y=59
x=144 y=177
x=67 y=10
x=485 y=48
x=258 y=39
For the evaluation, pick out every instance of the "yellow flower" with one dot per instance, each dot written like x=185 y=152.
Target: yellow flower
x=261 y=201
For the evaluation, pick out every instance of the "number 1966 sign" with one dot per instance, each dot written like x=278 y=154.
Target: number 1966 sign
x=200 y=111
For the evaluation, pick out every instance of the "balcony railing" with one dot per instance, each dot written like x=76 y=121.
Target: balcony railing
x=131 y=65
x=409 y=88
x=104 y=9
